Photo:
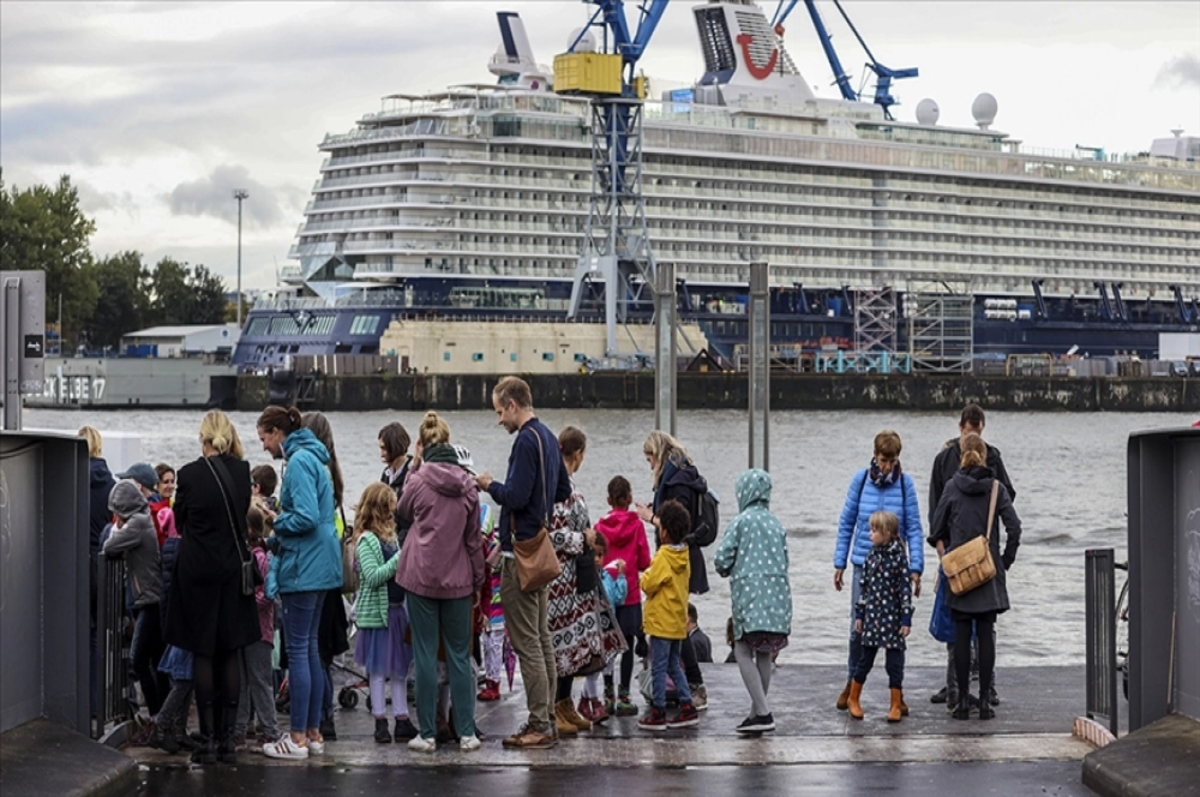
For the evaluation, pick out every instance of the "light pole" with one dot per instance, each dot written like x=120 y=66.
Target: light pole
x=239 y=194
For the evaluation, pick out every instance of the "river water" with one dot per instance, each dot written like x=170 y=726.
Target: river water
x=1068 y=470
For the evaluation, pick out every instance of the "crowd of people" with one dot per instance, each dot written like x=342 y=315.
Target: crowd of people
x=241 y=599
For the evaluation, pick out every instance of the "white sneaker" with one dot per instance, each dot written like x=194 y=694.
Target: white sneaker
x=423 y=745
x=315 y=747
x=468 y=743
x=285 y=748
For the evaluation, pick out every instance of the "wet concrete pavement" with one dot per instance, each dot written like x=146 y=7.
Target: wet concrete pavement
x=1026 y=749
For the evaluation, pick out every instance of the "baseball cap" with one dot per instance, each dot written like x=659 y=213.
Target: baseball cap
x=142 y=473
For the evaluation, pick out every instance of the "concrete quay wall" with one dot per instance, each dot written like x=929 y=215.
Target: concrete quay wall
x=615 y=390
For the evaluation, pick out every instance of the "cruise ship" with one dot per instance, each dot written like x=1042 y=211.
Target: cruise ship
x=472 y=203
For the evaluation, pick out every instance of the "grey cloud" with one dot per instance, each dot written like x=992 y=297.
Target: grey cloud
x=213 y=196
x=1182 y=71
x=92 y=200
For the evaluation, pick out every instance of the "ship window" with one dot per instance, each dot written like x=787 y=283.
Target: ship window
x=258 y=326
x=477 y=357
x=513 y=357
x=548 y=356
x=446 y=356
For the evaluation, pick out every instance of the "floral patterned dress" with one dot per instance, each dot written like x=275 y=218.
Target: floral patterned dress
x=886 y=599
x=583 y=626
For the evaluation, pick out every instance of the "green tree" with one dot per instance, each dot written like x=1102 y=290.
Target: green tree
x=44 y=228
x=124 y=298
x=208 y=293
x=172 y=299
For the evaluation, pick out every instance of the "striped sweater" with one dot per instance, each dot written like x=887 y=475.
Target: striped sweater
x=374 y=574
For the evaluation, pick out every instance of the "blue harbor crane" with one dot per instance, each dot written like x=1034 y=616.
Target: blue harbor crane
x=616 y=247
x=883 y=75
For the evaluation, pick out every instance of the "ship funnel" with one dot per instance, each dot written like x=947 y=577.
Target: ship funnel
x=513 y=62
x=745 y=58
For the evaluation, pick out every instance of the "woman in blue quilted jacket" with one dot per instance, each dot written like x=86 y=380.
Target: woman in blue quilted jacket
x=882 y=486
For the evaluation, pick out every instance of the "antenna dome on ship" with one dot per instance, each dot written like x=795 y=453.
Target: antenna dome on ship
x=587 y=44
x=927 y=112
x=984 y=110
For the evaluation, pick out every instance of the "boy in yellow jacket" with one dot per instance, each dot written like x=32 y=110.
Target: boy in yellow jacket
x=665 y=590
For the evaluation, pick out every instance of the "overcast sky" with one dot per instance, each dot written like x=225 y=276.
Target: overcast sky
x=158 y=110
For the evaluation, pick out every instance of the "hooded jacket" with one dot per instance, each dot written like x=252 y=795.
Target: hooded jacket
x=665 y=585
x=307 y=548
x=626 y=537
x=962 y=515
x=137 y=541
x=949 y=460
x=685 y=486
x=442 y=557
x=753 y=555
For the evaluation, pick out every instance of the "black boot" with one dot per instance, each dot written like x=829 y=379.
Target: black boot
x=206 y=748
x=170 y=741
x=227 y=750
x=382 y=736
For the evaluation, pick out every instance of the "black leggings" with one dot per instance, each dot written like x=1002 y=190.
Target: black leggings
x=563 y=692
x=146 y=655
x=627 y=661
x=984 y=626
x=218 y=680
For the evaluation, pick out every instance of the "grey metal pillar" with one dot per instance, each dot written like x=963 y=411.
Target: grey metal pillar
x=665 y=378
x=12 y=354
x=760 y=367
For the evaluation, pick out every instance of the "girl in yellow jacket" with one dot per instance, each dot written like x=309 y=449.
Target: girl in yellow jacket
x=664 y=621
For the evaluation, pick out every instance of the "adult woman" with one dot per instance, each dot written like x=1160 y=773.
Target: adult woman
x=962 y=515
x=393 y=452
x=207 y=613
x=442 y=568
x=166 y=482
x=882 y=485
x=333 y=632
x=676 y=479
x=308 y=565
x=583 y=626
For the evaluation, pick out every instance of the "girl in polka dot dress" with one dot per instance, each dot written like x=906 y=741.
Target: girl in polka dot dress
x=753 y=555
x=883 y=615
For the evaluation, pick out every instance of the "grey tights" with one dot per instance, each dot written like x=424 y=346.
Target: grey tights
x=756 y=675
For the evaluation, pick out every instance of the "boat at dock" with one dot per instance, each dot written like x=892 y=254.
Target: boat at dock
x=473 y=202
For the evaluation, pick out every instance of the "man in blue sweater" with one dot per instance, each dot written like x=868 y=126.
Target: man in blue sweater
x=536 y=480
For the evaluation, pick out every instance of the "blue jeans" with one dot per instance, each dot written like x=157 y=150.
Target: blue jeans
x=306 y=682
x=664 y=660
x=855 y=637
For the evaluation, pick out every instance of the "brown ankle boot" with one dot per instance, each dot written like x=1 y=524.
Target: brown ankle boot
x=852 y=704
x=562 y=721
x=844 y=697
x=903 y=705
x=896 y=711
x=572 y=715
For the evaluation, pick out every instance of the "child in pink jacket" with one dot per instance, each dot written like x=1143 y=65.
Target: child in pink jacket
x=626 y=536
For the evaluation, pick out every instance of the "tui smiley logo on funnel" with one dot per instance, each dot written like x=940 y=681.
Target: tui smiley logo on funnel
x=759 y=72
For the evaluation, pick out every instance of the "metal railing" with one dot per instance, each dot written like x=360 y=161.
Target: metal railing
x=115 y=696
x=1101 y=640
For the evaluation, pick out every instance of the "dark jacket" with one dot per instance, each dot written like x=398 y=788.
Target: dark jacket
x=962 y=515
x=685 y=485
x=101 y=482
x=206 y=610
x=885 y=600
x=528 y=493
x=949 y=461
x=396 y=482
x=170 y=555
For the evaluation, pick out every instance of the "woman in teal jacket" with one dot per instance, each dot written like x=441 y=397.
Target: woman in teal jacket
x=308 y=564
x=880 y=486
x=753 y=555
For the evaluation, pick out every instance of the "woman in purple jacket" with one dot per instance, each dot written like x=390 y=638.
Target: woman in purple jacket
x=442 y=568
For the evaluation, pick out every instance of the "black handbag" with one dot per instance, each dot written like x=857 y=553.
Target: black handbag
x=250 y=575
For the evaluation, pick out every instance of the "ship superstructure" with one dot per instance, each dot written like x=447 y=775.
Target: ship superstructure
x=475 y=200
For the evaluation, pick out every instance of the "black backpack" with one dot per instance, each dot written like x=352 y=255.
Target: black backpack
x=707 y=519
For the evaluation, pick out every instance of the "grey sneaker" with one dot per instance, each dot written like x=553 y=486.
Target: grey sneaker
x=699 y=696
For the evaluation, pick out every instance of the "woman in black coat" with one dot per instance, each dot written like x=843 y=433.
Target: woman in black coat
x=962 y=515
x=206 y=611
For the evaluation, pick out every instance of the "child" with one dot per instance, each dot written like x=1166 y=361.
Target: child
x=700 y=640
x=884 y=612
x=626 y=537
x=258 y=677
x=612 y=578
x=665 y=622
x=263 y=481
x=753 y=555
x=491 y=607
x=381 y=618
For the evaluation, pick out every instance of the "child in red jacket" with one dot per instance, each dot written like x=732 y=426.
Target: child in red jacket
x=626 y=536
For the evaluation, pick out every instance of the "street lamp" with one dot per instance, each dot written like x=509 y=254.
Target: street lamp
x=239 y=194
